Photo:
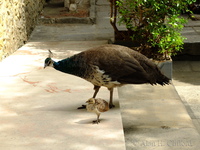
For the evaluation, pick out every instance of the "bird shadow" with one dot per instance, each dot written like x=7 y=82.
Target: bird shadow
x=65 y=108
x=89 y=121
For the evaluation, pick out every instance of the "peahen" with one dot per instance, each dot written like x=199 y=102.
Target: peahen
x=110 y=66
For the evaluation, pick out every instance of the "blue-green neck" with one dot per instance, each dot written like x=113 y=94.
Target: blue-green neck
x=69 y=65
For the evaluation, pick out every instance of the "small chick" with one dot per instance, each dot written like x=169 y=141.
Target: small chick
x=97 y=105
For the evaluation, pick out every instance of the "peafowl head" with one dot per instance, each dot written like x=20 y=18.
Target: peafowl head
x=48 y=61
x=91 y=101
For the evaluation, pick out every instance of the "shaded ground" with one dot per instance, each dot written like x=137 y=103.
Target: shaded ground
x=56 y=9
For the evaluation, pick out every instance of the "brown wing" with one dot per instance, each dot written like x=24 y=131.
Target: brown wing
x=102 y=105
x=123 y=64
x=119 y=62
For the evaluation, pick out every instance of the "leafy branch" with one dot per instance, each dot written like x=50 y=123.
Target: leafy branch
x=155 y=24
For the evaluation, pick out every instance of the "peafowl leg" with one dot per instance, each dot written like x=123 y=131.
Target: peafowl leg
x=111 y=98
x=97 y=121
x=96 y=88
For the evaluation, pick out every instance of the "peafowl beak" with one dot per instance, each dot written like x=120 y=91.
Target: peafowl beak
x=45 y=65
x=48 y=62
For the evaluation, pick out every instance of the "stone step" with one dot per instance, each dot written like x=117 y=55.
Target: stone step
x=56 y=12
x=154 y=117
x=39 y=106
x=70 y=32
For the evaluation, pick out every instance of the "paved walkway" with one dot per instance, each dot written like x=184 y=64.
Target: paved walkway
x=38 y=106
x=186 y=81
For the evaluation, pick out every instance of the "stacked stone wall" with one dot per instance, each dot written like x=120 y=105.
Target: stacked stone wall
x=17 y=20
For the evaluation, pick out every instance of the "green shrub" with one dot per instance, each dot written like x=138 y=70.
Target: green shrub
x=155 y=24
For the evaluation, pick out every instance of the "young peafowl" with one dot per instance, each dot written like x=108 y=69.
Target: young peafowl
x=97 y=106
x=110 y=66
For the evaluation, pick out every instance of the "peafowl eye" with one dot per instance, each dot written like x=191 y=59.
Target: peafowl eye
x=48 y=62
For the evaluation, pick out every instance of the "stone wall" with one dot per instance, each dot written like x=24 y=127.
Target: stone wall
x=17 y=20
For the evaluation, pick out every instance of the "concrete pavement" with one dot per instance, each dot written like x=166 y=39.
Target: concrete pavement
x=155 y=118
x=186 y=81
x=38 y=108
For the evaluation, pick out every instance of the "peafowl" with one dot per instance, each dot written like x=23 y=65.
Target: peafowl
x=110 y=66
x=97 y=106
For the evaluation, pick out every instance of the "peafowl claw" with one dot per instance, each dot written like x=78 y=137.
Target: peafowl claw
x=96 y=121
x=82 y=107
x=111 y=106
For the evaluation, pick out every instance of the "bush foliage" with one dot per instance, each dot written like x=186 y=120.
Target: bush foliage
x=155 y=24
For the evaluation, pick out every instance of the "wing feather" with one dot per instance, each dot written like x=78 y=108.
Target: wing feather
x=102 y=105
x=121 y=63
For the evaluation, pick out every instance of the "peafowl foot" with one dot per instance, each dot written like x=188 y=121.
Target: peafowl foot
x=111 y=106
x=96 y=121
x=82 y=107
